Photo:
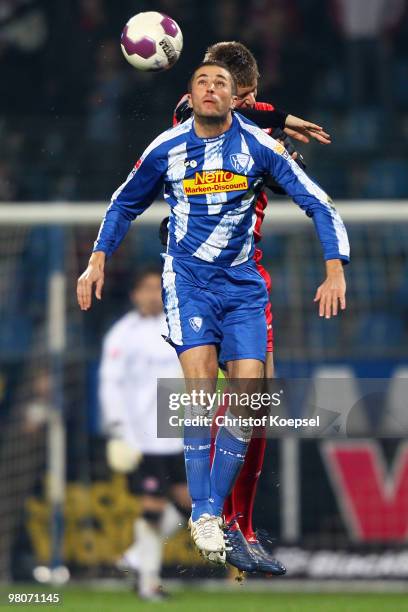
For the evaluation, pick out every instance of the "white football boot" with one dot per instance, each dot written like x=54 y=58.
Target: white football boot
x=208 y=537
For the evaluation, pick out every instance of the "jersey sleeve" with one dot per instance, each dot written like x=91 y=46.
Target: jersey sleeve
x=111 y=384
x=276 y=161
x=265 y=116
x=183 y=111
x=131 y=199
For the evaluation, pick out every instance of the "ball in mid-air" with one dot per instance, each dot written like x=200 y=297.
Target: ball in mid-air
x=151 y=41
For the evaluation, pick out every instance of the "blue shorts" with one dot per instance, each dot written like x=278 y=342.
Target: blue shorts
x=209 y=304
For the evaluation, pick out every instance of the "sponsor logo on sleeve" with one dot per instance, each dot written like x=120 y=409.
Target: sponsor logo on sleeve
x=280 y=150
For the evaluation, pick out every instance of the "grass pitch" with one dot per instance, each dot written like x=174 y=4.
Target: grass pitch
x=80 y=599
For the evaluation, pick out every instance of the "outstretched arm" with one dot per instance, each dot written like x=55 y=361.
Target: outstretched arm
x=317 y=205
x=303 y=130
x=295 y=127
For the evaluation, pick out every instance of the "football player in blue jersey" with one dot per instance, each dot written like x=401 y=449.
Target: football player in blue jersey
x=212 y=167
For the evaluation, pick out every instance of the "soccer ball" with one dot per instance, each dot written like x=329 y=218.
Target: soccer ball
x=151 y=41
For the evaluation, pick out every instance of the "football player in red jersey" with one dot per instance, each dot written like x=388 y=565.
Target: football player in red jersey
x=246 y=551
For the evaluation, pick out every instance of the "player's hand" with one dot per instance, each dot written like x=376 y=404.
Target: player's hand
x=332 y=292
x=93 y=275
x=183 y=110
x=302 y=130
x=122 y=457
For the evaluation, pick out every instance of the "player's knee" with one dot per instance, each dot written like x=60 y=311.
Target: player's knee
x=200 y=362
x=152 y=509
x=152 y=517
x=245 y=369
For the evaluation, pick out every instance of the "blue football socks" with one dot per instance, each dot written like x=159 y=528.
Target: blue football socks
x=229 y=457
x=197 y=444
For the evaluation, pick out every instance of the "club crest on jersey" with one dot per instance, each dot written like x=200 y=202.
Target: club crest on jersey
x=240 y=161
x=196 y=323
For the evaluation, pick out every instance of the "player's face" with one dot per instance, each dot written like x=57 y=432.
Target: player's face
x=211 y=92
x=147 y=297
x=246 y=96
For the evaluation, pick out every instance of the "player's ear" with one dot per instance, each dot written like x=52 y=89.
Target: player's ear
x=233 y=102
x=189 y=100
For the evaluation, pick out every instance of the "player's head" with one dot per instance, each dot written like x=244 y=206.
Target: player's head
x=145 y=291
x=212 y=90
x=243 y=67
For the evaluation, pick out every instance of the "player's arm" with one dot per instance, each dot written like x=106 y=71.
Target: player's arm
x=317 y=205
x=303 y=130
x=293 y=126
x=282 y=137
x=111 y=379
x=129 y=201
x=332 y=292
x=121 y=456
x=268 y=118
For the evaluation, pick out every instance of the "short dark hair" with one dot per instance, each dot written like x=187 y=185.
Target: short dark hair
x=239 y=60
x=141 y=274
x=222 y=65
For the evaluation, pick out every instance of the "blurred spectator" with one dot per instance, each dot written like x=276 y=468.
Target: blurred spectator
x=36 y=411
x=227 y=20
x=103 y=124
x=366 y=28
x=273 y=27
x=69 y=103
x=8 y=187
x=23 y=37
x=23 y=24
x=92 y=15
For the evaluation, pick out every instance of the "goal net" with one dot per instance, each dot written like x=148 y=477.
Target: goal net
x=59 y=502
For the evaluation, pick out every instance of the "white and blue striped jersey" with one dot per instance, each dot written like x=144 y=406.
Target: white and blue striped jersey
x=211 y=186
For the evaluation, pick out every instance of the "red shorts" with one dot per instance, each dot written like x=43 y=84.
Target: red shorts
x=268 y=310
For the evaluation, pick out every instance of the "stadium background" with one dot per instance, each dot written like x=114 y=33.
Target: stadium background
x=73 y=119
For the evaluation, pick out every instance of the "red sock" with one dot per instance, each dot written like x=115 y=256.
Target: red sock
x=244 y=491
